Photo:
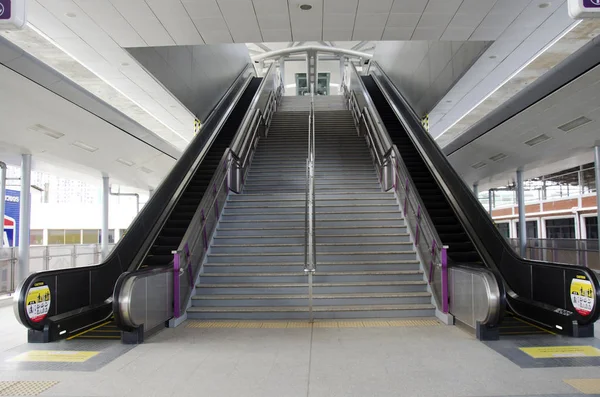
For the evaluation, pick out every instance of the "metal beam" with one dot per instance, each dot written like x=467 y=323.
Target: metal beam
x=263 y=47
x=291 y=44
x=359 y=45
x=522 y=221
x=331 y=50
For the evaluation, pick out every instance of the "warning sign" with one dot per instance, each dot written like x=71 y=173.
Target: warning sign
x=582 y=295
x=38 y=302
x=561 y=351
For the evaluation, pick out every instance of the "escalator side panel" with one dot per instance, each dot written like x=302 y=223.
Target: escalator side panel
x=80 y=296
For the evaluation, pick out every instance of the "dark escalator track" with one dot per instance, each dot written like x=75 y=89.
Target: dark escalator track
x=160 y=254
x=169 y=237
x=449 y=228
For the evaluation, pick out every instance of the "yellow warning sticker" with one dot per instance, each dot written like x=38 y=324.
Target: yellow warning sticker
x=561 y=351
x=55 y=356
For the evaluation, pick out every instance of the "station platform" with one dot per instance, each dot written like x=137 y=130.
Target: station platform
x=405 y=357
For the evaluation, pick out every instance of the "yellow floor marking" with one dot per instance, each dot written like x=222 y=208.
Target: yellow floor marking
x=55 y=356
x=586 y=386
x=561 y=351
x=88 y=330
x=317 y=324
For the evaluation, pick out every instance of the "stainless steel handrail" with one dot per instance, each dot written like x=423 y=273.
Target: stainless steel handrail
x=310 y=260
x=426 y=239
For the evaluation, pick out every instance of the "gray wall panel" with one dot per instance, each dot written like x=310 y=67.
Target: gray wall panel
x=196 y=75
x=426 y=70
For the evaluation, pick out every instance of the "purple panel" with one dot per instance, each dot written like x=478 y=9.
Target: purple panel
x=591 y=3
x=5 y=9
x=176 y=292
x=445 y=297
x=188 y=257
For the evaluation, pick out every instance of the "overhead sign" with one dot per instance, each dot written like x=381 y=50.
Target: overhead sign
x=584 y=8
x=13 y=14
x=11 y=218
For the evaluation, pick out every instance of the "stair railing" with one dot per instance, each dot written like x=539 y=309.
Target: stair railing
x=310 y=259
x=393 y=173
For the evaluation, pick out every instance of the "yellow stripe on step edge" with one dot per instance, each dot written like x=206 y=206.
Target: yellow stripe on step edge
x=88 y=330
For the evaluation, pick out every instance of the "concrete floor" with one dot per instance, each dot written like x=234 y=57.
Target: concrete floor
x=318 y=362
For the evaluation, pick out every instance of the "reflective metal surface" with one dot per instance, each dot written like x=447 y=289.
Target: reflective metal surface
x=474 y=296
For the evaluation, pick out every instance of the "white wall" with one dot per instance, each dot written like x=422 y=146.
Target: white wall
x=331 y=67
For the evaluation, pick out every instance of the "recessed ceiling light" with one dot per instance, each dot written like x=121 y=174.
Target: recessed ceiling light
x=146 y=170
x=305 y=7
x=571 y=125
x=498 y=157
x=537 y=140
x=125 y=64
x=493 y=57
x=84 y=146
x=479 y=165
x=449 y=101
x=544 y=5
x=46 y=131
x=125 y=162
x=71 y=15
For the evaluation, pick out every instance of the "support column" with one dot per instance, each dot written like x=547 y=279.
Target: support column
x=490 y=201
x=150 y=193
x=476 y=190
x=522 y=222
x=311 y=70
x=342 y=71
x=2 y=201
x=597 y=168
x=282 y=72
x=105 y=195
x=22 y=270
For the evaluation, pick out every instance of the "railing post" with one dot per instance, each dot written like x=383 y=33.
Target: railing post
x=46 y=257
x=74 y=256
x=176 y=287
x=445 y=291
x=418 y=225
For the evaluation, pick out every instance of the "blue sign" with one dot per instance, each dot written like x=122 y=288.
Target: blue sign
x=5 y=9
x=591 y=3
x=11 y=218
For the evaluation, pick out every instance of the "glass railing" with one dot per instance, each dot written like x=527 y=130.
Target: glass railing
x=568 y=251
x=47 y=257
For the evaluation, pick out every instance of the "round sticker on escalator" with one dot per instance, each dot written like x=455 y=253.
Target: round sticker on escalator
x=38 y=302
x=582 y=295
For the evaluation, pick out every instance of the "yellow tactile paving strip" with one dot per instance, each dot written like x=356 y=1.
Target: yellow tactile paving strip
x=24 y=388
x=586 y=386
x=317 y=324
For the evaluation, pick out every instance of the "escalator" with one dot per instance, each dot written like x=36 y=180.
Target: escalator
x=80 y=304
x=538 y=294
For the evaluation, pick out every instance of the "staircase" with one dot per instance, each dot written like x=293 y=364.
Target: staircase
x=367 y=267
x=255 y=265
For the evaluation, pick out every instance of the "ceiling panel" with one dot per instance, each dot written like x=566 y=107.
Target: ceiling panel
x=340 y=6
x=457 y=34
x=337 y=34
x=370 y=21
x=199 y=9
x=397 y=20
x=274 y=22
x=435 y=20
x=112 y=22
x=338 y=21
x=174 y=17
x=271 y=7
x=392 y=33
x=276 y=35
x=142 y=19
x=443 y=6
x=409 y=6
x=368 y=34
x=427 y=33
x=374 y=6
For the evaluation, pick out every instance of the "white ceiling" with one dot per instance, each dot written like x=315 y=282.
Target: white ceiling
x=521 y=42
x=31 y=104
x=579 y=98
x=136 y=23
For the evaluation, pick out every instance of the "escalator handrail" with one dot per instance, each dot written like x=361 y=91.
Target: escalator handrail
x=424 y=224
x=459 y=199
x=175 y=177
x=239 y=145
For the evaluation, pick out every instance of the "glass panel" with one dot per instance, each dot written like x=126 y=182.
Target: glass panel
x=504 y=229
x=111 y=235
x=532 y=229
x=73 y=236
x=56 y=236
x=91 y=236
x=591 y=227
x=560 y=228
x=36 y=237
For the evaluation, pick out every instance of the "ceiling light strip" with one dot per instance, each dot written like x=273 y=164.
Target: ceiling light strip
x=54 y=43
x=519 y=70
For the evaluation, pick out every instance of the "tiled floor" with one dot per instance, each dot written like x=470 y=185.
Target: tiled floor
x=313 y=362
